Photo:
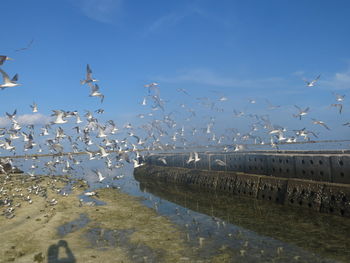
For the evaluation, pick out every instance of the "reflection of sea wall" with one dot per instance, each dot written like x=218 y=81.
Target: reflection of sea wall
x=316 y=195
x=286 y=223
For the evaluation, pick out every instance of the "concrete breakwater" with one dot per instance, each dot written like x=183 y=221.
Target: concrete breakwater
x=313 y=180
x=327 y=166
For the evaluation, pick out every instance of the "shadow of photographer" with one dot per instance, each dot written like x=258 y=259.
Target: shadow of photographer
x=53 y=253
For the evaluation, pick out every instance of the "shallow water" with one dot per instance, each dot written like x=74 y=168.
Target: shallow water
x=244 y=230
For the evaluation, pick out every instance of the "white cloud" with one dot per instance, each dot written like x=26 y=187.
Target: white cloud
x=26 y=119
x=339 y=81
x=38 y=118
x=105 y=11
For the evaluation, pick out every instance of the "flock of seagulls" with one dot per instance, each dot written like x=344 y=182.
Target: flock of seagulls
x=70 y=133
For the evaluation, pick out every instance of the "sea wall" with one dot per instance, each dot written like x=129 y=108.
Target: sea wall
x=325 y=166
x=312 y=180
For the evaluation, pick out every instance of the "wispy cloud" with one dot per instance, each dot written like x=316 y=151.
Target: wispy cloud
x=105 y=11
x=172 y=19
x=208 y=77
x=164 y=21
x=339 y=81
x=26 y=119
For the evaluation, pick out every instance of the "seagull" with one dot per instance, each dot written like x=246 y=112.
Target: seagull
x=102 y=151
x=59 y=117
x=4 y=58
x=196 y=158
x=339 y=97
x=312 y=82
x=34 y=107
x=183 y=91
x=220 y=162
x=162 y=159
x=89 y=78
x=154 y=86
x=25 y=48
x=95 y=92
x=190 y=159
x=338 y=105
x=7 y=82
x=99 y=174
x=11 y=116
x=320 y=123
x=301 y=112
x=137 y=163
x=271 y=106
x=100 y=111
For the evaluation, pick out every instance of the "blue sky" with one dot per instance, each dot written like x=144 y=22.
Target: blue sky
x=238 y=49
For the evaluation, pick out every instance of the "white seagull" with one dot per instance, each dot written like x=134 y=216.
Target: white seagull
x=312 y=83
x=34 y=107
x=89 y=78
x=8 y=83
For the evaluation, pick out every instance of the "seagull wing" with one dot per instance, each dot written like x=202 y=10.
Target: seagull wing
x=5 y=76
x=15 y=78
x=2 y=59
x=297 y=107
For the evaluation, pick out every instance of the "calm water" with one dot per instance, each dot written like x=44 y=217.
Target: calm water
x=248 y=230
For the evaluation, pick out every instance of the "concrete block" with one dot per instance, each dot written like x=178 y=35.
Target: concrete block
x=235 y=162
x=209 y=180
x=178 y=160
x=222 y=182
x=256 y=164
x=313 y=167
x=341 y=169
x=246 y=184
x=280 y=165
x=217 y=162
x=150 y=159
x=304 y=193
x=272 y=189
x=336 y=199
x=203 y=163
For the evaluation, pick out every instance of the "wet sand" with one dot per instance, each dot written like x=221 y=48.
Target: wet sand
x=123 y=230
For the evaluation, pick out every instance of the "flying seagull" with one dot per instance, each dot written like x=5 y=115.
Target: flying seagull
x=312 y=82
x=25 y=48
x=34 y=107
x=4 y=58
x=95 y=92
x=89 y=78
x=322 y=123
x=7 y=82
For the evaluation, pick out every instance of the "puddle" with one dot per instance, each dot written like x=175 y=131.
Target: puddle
x=73 y=226
x=90 y=201
x=104 y=239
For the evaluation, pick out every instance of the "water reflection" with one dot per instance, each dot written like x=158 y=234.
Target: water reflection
x=238 y=229
x=320 y=234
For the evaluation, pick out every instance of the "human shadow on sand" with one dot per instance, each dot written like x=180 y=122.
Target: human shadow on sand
x=53 y=253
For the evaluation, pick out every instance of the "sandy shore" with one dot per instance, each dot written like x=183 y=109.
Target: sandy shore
x=123 y=230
